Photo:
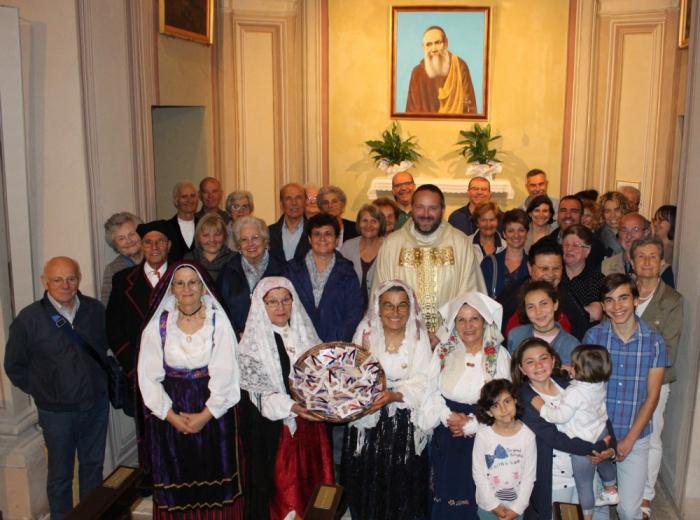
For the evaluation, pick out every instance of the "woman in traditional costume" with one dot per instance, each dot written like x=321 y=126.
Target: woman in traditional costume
x=385 y=465
x=189 y=380
x=292 y=452
x=468 y=356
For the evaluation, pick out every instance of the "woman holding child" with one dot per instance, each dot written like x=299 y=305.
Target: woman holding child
x=535 y=370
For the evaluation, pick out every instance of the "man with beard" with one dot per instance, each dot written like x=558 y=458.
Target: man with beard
x=431 y=256
x=441 y=82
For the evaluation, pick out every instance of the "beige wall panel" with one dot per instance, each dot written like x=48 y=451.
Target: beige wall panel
x=258 y=137
x=638 y=93
x=632 y=135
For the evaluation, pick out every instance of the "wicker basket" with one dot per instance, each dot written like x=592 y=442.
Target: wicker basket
x=360 y=358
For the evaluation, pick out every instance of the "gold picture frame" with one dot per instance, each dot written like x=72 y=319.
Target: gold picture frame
x=684 y=23
x=188 y=19
x=462 y=34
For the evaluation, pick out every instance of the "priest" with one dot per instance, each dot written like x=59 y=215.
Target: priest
x=431 y=256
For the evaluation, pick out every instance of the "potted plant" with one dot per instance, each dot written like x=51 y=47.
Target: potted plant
x=475 y=147
x=391 y=153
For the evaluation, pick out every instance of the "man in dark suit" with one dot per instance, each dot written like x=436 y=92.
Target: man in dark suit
x=287 y=235
x=128 y=306
x=184 y=221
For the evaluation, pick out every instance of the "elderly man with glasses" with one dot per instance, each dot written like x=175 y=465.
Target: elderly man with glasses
x=53 y=353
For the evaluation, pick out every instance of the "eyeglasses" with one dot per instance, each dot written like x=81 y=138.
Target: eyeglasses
x=575 y=246
x=629 y=231
x=250 y=240
x=284 y=302
x=190 y=284
x=71 y=280
x=401 y=308
x=239 y=207
x=311 y=198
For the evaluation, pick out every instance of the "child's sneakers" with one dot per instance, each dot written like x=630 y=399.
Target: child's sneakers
x=608 y=498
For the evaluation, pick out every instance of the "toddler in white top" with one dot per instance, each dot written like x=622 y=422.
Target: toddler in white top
x=504 y=460
x=580 y=411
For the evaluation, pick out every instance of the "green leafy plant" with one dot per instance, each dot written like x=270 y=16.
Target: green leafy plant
x=392 y=149
x=475 y=146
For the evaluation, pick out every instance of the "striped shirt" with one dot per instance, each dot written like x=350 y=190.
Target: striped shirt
x=631 y=362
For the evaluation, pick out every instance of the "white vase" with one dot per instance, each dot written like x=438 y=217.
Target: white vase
x=488 y=170
x=393 y=169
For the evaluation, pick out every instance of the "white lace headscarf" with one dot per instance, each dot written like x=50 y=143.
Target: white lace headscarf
x=370 y=334
x=371 y=326
x=259 y=362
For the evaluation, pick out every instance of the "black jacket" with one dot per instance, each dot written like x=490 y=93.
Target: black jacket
x=178 y=246
x=126 y=312
x=276 y=244
x=56 y=371
x=234 y=291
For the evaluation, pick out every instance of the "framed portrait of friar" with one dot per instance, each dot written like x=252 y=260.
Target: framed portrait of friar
x=440 y=62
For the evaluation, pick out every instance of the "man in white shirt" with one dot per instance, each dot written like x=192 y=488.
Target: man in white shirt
x=184 y=221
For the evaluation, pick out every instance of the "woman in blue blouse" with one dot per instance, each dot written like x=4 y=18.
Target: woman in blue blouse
x=508 y=266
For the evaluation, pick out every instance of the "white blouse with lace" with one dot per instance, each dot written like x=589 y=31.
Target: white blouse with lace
x=210 y=346
x=460 y=380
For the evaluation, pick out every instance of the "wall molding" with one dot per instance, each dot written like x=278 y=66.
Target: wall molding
x=313 y=91
x=584 y=65
x=620 y=29
x=143 y=65
x=605 y=32
x=92 y=152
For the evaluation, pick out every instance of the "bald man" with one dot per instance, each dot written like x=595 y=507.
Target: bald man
x=52 y=354
x=210 y=193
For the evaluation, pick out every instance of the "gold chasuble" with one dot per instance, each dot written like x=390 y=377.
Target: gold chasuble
x=438 y=266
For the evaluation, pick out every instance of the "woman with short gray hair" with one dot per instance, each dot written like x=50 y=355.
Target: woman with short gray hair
x=332 y=200
x=239 y=204
x=121 y=236
x=247 y=267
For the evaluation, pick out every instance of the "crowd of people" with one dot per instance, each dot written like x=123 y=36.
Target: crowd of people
x=528 y=354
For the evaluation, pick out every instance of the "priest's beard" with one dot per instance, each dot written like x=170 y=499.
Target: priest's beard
x=437 y=64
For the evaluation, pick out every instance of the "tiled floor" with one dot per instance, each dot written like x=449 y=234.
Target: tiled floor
x=663 y=510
